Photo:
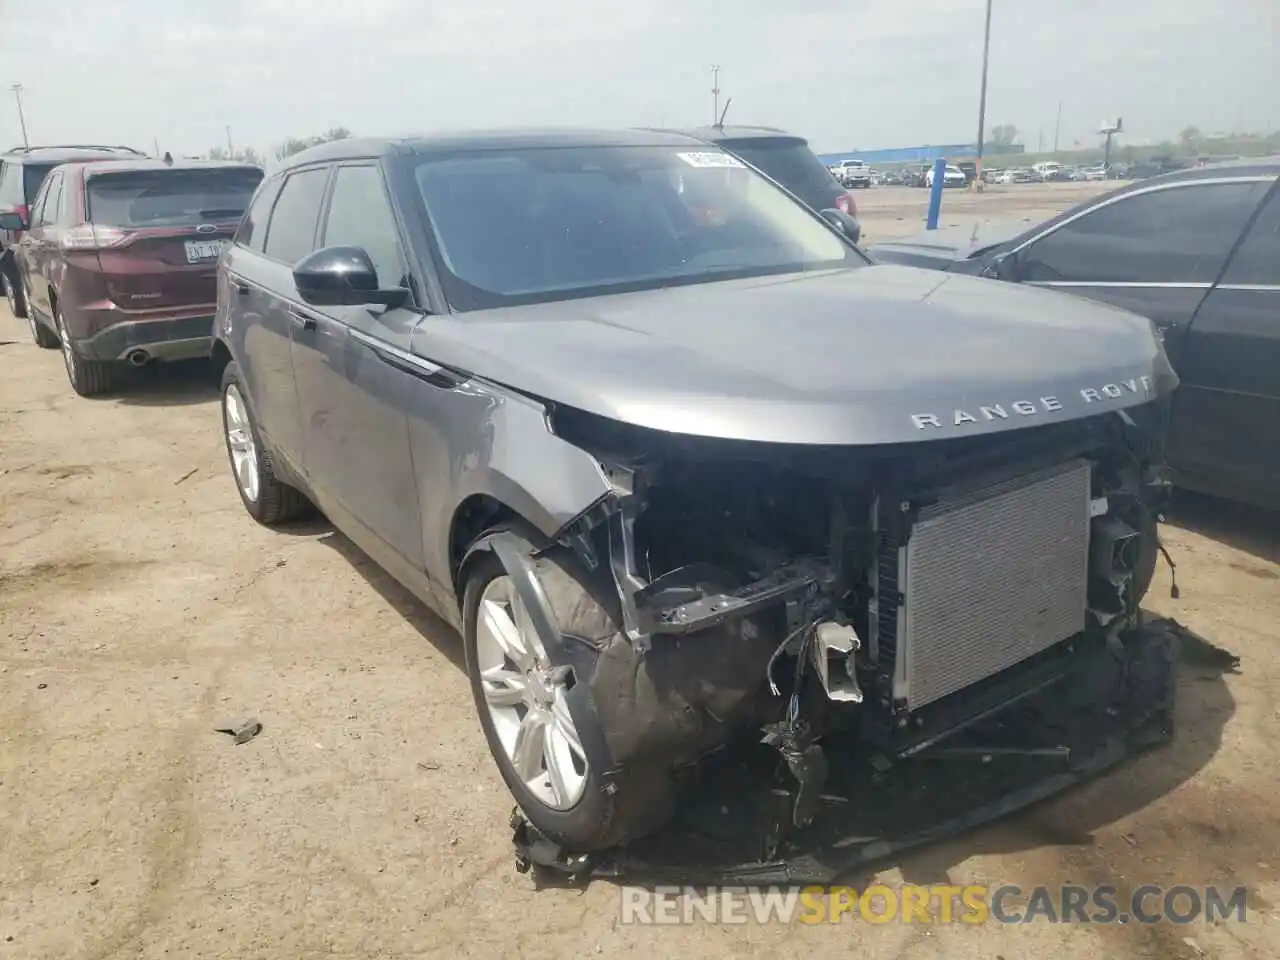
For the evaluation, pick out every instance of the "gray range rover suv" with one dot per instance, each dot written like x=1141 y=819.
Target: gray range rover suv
x=677 y=460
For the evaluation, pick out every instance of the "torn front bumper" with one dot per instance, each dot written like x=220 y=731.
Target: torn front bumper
x=735 y=823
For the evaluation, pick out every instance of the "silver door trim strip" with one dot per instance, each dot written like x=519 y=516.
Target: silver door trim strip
x=1119 y=283
x=381 y=346
x=1158 y=188
x=1260 y=287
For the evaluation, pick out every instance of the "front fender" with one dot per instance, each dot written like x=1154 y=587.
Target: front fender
x=480 y=439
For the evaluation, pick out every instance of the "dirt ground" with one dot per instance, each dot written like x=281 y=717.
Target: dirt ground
x=140 y=608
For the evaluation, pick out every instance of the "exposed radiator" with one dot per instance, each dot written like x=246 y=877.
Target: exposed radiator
x=990 y=577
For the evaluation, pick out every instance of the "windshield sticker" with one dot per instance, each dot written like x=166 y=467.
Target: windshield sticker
x=711 y=159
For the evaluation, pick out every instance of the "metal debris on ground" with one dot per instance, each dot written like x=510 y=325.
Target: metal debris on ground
x=241 y=733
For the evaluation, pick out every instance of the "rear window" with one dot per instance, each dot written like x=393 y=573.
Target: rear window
x=33 y=175
x=790 y=162
x=160 y=198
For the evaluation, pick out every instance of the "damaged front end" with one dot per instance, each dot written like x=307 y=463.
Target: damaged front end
x=854 y=608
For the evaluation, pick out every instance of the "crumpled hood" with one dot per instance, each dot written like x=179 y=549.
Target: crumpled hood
x=879 y=354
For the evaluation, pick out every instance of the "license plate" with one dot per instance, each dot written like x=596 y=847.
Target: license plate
x=200 y=251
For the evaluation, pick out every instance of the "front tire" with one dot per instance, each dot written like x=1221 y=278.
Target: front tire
x=89 y=378
x=523 y=705
x=267 y=499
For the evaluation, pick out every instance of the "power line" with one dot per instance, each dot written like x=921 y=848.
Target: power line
x=982 y=97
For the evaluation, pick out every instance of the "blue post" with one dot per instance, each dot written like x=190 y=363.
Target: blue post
x=935 y=195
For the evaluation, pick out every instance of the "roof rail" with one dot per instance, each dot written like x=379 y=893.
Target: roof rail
x=75 y=146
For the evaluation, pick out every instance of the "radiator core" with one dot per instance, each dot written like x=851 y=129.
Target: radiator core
x=990 y=577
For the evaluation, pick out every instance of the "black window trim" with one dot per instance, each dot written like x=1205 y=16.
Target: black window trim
x=327 y=166
x=1120 y=197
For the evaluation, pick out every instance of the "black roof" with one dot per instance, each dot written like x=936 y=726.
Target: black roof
x=1253 y=167
x=66 y=153
x=98 y=167
x=449 y=141
x=731 y=133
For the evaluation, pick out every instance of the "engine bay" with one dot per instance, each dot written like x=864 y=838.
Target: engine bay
x=886 y=599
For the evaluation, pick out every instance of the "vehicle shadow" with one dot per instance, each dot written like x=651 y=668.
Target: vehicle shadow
x=432 y=629
x=1247 y=528
x=165 y=385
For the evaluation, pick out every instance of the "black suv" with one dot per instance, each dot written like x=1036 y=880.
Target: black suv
x=787 y=160
x=22 y=170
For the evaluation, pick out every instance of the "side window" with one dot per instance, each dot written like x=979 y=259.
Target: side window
x=48 y=212
x=1258 y=259
x=291 y=232
x=1178 y=235
x=360 y=216
x=253 y=228
x=38 y=202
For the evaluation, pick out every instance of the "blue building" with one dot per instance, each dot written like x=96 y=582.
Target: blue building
x=904 y=155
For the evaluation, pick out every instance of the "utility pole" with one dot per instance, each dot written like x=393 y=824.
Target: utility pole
x=230 y=149
x=1057 y=128
x=155 y=146
x=982 y=99
x=715 y=94
x=22 y=120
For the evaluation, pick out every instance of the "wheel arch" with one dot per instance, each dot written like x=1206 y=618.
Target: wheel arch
x=219 y=358
x=479 y=513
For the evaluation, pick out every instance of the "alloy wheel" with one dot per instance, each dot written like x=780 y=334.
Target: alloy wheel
x=68 y=351
x=527 y=700
x=244 y=452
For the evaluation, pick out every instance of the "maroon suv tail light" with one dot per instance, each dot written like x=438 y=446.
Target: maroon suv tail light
x=92 y=236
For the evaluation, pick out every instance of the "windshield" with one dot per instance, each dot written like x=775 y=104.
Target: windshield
x=521 y=226
x=163 y=198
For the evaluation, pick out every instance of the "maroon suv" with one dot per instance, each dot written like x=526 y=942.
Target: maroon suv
x=119 y=260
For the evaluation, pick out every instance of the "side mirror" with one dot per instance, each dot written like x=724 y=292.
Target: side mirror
x=12 y=221
x=844 y=222
x=1003 y=266
x=343 y=277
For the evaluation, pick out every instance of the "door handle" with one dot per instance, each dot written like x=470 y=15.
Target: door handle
x=301 y=319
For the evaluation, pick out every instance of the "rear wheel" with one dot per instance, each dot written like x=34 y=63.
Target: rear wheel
x=89 y=378
x=267 y=499
x=524 y=707
x=13 y=291
x=42 y=335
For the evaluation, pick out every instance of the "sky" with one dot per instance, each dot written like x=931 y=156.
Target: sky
x=847 y=74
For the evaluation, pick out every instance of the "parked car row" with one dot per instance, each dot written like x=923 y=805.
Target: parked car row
x=1198 y=252
x=112 y=255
